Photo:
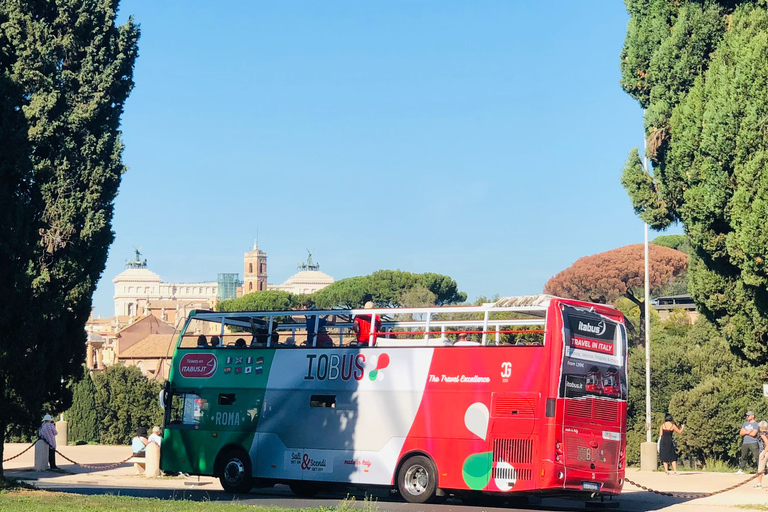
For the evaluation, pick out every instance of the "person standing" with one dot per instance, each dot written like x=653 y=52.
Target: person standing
x=667 y=452
x=762 y=441
x=362 y=326
x=48 y=433
x=749 y=431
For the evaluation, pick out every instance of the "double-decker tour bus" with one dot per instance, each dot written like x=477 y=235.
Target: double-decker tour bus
x=526 y=395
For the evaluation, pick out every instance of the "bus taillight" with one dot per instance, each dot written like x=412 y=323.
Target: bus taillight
x=558 y=451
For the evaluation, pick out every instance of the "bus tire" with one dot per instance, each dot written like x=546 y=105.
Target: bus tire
x=417 y=479
x=235 y=471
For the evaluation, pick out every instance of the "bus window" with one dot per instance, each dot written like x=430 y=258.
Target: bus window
x=226 y=398
x=187 y=409
x=322 y=401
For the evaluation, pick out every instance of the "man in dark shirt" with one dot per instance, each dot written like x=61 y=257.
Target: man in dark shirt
x=749 y=431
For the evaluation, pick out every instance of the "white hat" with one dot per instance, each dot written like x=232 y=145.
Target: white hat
x=369 y=305
x=47 y=417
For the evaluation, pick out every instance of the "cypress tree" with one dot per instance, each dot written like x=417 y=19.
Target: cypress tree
x=66 y=70
x=700 y=69
x=125 y=400
x=82 y=417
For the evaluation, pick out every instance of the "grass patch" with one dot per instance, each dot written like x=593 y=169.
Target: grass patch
x=717 y=466
x=39 y=501
x=369 y=504
x=756 y=506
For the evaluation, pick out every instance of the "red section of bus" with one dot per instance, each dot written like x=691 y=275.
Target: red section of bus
x=518 y=431
x=447 y=432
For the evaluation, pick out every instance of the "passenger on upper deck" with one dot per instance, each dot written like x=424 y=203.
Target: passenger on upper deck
x=362 y=326
x=202 y=341
x=215 y=342
x=323 y=340
x=240 y=343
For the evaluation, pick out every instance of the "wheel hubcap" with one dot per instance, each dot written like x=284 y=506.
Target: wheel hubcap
x=234 y=471
x=416 y=480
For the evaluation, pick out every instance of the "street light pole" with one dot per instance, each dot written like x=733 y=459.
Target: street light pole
x=648 y=455
x=647 y=306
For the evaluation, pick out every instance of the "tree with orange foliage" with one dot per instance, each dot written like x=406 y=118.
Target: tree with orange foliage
x=618 y=273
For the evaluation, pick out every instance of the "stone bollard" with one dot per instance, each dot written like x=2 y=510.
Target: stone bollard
x=648 y=457
x=153 y=461
x=41 y=455
x=62 y=437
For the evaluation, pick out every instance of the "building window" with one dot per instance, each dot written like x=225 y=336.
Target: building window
x=250 y=286
x=263 y=268
x=250 y=268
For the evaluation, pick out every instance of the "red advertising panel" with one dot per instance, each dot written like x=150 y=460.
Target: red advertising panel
x=198 y=366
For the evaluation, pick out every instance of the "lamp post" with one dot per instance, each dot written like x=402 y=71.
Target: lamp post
x=646 y=305
x=648 y=455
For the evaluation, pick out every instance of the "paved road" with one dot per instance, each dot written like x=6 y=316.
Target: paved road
x=281 y=496
x=123 y=480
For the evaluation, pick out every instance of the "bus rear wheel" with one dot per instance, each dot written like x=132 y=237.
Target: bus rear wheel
x=235 y=471
x=417 y=479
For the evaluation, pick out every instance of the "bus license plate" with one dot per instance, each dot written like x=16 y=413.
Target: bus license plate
x=590 y=486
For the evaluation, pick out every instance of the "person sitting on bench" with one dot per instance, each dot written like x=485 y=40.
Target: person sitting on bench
x=139 y=443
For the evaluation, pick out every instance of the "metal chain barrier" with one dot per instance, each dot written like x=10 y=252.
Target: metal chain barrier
x=20 y=454
x=88 y=466
x=690 y=495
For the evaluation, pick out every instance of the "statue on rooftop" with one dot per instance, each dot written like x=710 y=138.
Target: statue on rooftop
x=137 y=261
x=309 y=265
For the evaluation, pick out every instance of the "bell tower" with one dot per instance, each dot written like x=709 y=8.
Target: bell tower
x=255 y=270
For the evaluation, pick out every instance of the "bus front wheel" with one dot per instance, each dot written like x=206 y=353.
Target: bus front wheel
x=417 y=479
x=235 y=471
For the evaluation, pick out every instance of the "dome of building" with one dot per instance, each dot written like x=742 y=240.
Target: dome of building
x=142 y=275
x=309 y=277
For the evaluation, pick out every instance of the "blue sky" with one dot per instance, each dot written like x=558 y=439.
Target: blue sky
x=482 y=140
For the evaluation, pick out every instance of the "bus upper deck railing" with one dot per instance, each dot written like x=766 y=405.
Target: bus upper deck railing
x=410 y=326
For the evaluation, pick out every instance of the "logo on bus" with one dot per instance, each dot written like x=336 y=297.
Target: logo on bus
x=506 y=369
x=335 y=366
x=198 y=366
x=598 y=329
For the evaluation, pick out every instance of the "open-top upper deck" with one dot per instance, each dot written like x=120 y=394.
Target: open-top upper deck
x=508 y=321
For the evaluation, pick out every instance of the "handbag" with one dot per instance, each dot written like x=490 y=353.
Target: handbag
x=658 y=445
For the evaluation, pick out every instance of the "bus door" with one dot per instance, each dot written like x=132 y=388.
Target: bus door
x=594 y=388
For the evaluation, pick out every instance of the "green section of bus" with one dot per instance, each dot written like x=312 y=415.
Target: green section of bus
x=195 y=451
x=226 y=409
